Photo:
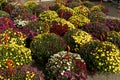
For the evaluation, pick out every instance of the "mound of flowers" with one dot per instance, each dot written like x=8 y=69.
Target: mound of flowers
x=48 y=16
x=96 y=16
x=58 y=28
x=78 y=20
x=63 y=22
x=81 y=10
x=30 y=5
x=18 y=53
x=65 y=65
x=30 y=31
x=6 y=23
x=96 y=29
x=12 y=37
x=101 y=56
x=113 y=37
x=113 y=23
x=45 y=45
x=65 y=12
x=100 y=8
x=23 y=72
x=76 y=38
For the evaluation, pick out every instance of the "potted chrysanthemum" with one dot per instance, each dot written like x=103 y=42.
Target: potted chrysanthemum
x=65 y=65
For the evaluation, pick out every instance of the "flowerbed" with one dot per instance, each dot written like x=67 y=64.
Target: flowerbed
x=31 y=33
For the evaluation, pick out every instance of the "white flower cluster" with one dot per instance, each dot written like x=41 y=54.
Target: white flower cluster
x=20 y=23
x=61 y=63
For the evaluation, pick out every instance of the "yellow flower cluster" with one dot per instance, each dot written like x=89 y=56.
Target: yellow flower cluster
x=113 y=37
x=106 y=57
x=81 y=10
x=29 y=75
x=67 y=9
x=78 y=20
x=9 y=36
x=63 y=21
x=81 y=38
x=1 y=77
x=18 y=53
x=97 y=8
x=48 y=16
x=30 y=4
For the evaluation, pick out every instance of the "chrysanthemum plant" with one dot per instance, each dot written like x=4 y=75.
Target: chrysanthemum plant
x=113 y=37
x=81 y=10
x=6 y=23
x=30 y=5
x=46 y=44
x=77 y=38
x=12 y=37
x=58 y=28
x=78 y=20
x=18 y=53
x=65 y=12
x=23 y=72
x=64 y=22
x=101 y=56
x=113 y=23
x=96 y=16
x=65 y=65
x=96 y=29
x=48 y=16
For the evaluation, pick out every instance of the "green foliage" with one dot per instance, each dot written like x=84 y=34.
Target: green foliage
x=113 y=37
x=45 y=45
x=48 y=16
x=101 y=56
x=96 y=16
x=17 y=53
x=4 y=14
x=65 y=66
x=78 y=20
x=77 y=38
